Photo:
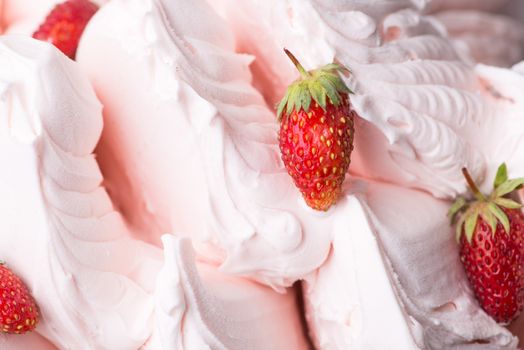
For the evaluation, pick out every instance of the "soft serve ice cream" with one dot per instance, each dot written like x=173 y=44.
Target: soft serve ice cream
x=95 y=285
x=225 y=183
x=418 y=96
x=189 y=146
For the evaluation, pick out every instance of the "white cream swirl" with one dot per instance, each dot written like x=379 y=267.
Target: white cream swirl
x=426 y=112
x=60 y=233
x=416 y=96
x=199 y=148
x=94 y=284
x=396 y=271
x=196 y=150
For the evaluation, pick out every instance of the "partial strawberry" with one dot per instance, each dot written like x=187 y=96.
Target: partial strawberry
x=65 y=24
x=490 y=231
x=316 y=133
x=18 y=310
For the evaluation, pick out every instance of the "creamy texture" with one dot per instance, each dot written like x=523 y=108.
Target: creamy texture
x=206 y=160
x=91 y=281
x=190 y=316
x=95 y=285
x=427 y=111
x=415 y=235
x=350 y=297
x=419 y=98
x=190 y=146
x=396 y=270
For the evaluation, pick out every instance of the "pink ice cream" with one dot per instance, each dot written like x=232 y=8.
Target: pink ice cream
x=95 y=285
x=205 y=161
x=426 y=112
x=188 y=145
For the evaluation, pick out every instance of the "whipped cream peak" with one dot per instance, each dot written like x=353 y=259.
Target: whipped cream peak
x=179 y=297
x=36 y=94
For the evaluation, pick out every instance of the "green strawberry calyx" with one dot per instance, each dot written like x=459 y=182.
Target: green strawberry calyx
x=489 y=208
x=318 y=85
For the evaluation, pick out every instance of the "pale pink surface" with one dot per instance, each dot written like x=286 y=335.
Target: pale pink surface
x=228 y=313
x=426 y=111
x=137 y=145
x=205 y=162
x=95 y=285
x=413 y=91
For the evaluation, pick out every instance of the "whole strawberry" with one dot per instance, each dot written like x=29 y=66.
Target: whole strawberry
x=18 y=310
x=490 y=230
x=316 y=133
x=65 y=24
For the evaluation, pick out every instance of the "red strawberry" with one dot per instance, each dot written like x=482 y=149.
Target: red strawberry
x=18 y=310
x=491 y=235
x=316 y=133
x=65 y=24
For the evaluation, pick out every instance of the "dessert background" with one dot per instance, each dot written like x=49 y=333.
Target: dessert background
x=366 y=267
x=514 y=8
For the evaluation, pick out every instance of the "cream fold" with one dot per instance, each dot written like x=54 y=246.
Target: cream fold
x=227 y=313
x=426 y=112
x=196 y=151
x=95 y=285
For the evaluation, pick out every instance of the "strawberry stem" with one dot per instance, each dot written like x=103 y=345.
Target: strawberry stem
x=297 y=64
x=473 y=185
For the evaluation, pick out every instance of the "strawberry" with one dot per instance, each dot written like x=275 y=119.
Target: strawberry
x=18 y=310
x=316 y=133
x=490 y=231
x=65 y=24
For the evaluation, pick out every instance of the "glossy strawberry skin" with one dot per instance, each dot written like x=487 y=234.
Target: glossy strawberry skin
x=18 y=310
x=316 y=148
x=65 y=24
x=494 y=265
